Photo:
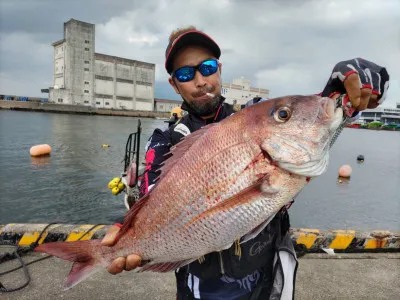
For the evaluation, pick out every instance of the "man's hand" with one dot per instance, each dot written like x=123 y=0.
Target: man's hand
x=363 y=81
x=121 y=263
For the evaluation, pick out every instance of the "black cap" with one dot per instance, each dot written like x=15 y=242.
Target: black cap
x=192 y=37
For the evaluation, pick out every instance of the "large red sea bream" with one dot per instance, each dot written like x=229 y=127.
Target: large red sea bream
x=221 y=182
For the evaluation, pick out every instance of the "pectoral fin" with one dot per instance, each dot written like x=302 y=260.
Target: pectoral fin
x=245 y=196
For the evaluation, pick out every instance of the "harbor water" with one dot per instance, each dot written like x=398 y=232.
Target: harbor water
x=70 y=186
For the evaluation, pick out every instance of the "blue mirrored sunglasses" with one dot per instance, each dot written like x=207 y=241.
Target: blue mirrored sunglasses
x=206 y=68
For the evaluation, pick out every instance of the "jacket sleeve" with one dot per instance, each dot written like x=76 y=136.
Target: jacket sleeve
x=156 y=148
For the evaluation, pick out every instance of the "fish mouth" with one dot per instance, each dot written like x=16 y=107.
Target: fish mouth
x=337 y=121
x=310 y=169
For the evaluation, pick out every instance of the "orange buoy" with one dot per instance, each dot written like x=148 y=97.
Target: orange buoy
x=345 y=171
x=40 y=150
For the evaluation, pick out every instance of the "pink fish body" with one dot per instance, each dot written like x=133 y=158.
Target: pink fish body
x=222 y=182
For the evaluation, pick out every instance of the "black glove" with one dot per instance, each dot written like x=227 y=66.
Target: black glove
x=367 y=85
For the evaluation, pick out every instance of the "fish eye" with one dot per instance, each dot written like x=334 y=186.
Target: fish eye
x=282 y=114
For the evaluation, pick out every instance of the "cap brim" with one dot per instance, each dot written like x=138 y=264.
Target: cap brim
x=191 y=38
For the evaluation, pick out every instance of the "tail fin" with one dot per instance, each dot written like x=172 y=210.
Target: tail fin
x=79 y=252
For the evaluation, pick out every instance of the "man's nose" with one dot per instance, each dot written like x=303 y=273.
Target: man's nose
x=199 y=79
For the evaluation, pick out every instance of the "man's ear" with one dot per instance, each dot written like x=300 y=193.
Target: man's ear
x=220 y=67
x=172 y=83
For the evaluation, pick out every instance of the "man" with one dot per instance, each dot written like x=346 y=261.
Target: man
x=192 y=61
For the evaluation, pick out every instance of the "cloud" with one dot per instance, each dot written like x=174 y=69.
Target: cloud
x=25 y=66
x=288 y=47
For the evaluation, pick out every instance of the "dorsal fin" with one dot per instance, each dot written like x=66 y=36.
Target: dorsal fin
x=178 y=150
x=175 y=154
x=131 y=214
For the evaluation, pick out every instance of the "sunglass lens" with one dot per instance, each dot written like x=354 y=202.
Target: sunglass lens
x=184 y=74
x=208 y=67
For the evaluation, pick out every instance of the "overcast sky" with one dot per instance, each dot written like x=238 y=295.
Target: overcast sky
x=287 y=46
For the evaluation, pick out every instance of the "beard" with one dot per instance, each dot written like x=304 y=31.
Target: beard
x=205 y=108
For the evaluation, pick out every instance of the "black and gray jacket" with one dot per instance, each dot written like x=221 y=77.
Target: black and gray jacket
x=258 y=272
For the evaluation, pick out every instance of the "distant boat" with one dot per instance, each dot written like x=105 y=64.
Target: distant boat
x=355 y=125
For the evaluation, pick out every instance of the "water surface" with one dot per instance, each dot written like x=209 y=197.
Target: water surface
x=71 y=185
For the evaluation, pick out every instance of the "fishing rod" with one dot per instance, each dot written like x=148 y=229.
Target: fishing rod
x=343 y=102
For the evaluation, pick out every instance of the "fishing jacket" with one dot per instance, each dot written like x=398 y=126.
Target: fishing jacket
x=249 y=269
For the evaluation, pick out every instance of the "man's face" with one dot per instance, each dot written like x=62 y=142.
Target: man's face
x=194 y=91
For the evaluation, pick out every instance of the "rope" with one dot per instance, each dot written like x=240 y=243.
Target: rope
x=24 y=250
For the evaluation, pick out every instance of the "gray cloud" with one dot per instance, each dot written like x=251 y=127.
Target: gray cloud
x=286 y=46
x=46 y=16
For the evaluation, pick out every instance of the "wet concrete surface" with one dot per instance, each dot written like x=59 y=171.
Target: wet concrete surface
x=320 y=276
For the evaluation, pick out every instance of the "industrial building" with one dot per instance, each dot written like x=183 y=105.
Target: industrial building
x=240 y=92
x=84 y=77
x=166 y=105
x=386 y=115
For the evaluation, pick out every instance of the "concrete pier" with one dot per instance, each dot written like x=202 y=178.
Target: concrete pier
x=319 y=276
x=78 y=109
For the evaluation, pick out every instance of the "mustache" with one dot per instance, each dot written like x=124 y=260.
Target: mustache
x=203 y=91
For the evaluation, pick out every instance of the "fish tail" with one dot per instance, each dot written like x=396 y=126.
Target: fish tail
x=80 y=253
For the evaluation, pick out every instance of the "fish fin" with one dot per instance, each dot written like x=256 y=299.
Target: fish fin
x=175 y=154
x=79 y=252
x=72 y=251
x=79 y=272
x=178 y=150
x=165 y=267
x=131 y=214
x=251 y=192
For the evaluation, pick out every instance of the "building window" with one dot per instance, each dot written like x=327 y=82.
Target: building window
x=86 y=101
x=86 y=49
x=161 y=106
x=86 y=69
x=86 y=91
x=107 y=103
x=87 y=42
x=87 y=62
x=86 y=82
x=59 y=100
x=98 y=103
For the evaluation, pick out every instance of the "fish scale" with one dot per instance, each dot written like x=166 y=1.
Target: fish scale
x=213 y=227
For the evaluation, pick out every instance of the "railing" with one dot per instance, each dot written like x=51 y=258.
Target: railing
x=132 y=149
